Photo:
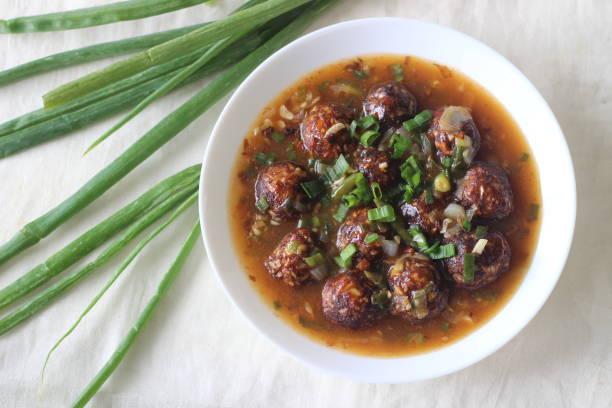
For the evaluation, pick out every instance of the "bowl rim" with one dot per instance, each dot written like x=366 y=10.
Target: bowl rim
x=346 y=372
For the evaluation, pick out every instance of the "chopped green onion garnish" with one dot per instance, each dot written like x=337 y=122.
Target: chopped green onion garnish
x=418 y=239
x=401 y=231
x=313 y=188
x=444 y=326
x=400 y=146
x=415 y=338
x=343 y=263
x=432 y=248
x=348 y=252
x=425 y=144
x=533 y=212
x=467 y=225
x=364 y=123
x=410 y=125
x=369 y=137
x=457 y=156
x=398 y=72
x=443 y=251
x=481 y=231
x=336 y=171
x=315 y=221
x=360 y=74
x=469 y=267
x=381 y=299
x=324 y=86
x=262 y=204
x=340 y=214
x=291 y=154
x=262 y=158
x=292 y=248
x=382 y=214
x=423 y=117
x=376 y=191
x=360 y=195
x=441 y=183
x=277 y=137
x=345 y=187
x=524 y=157
x=315 y=260
x=428 y=197
x=371 y=237
x=447 y=162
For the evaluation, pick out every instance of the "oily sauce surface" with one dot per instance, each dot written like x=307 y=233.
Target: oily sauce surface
x=434 y=86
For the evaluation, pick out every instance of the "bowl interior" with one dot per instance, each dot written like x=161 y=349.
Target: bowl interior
x=441 y=45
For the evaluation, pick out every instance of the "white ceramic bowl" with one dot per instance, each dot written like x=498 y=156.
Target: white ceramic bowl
x=435 y=43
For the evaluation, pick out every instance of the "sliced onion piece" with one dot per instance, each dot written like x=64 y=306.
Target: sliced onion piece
x=480 y=246
x=453 y=118
x=455 y=212
x=390 y=247
x=335 y=129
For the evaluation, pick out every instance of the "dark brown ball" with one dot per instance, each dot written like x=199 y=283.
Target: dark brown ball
x=324 y=130
x=346 y=300
x=486 y=190
x=286 y=262
x=376 y=165
x=417 y=291
x=279 y=184
x=494 y=260
x=451 y=123
x=427 y=216
x=391 y=103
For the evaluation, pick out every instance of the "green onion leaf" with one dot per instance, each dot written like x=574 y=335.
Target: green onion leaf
x=291 y=154
x=381 y=298
x=410 y=125
x=398 y=72
x=400 y=146
x=376 y=191
x=304 y=222
x=315 y=260
x=386 y=213
x=324 y=85
x=467 y=225
x=360 y=74
x=481 y=231
x=444 y=251
x=369 y=137
x=262 y=204
x=424 y=117
x=343 y=263
x=338 y=170
x=447 y=162
x=444 y=326
x=277 y=137
x=371 y=237
x=469 y=267
x=313 y=188
x=340 y=214
x=263 y=158
x=348 y=252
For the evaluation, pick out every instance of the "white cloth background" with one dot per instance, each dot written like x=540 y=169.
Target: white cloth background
x=198 y=351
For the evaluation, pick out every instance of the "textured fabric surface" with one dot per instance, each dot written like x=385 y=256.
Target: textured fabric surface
x=198 y=351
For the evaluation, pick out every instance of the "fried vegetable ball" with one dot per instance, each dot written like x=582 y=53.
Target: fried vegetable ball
x=346 y=300
x=376 y=165
x=286 y=262
x=493 y=260
x=324 y=130
x=391 y=103
x=354 y=230
x=486 y=190
x=416 y=288
x=427 y=216
x=278 y=187
x=452 y=128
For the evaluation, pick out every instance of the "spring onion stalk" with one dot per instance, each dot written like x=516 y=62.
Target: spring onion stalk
x=233 y=54
x=168 y=86
x=51 y=293
x=114 y=361
x=92 y=239
x=40 y=126
x=158 y=136
x=94 y=16
x=90 y=53
x=141 y=245
x=207 y=35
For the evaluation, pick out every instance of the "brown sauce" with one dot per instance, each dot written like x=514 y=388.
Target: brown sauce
x=503 y=144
